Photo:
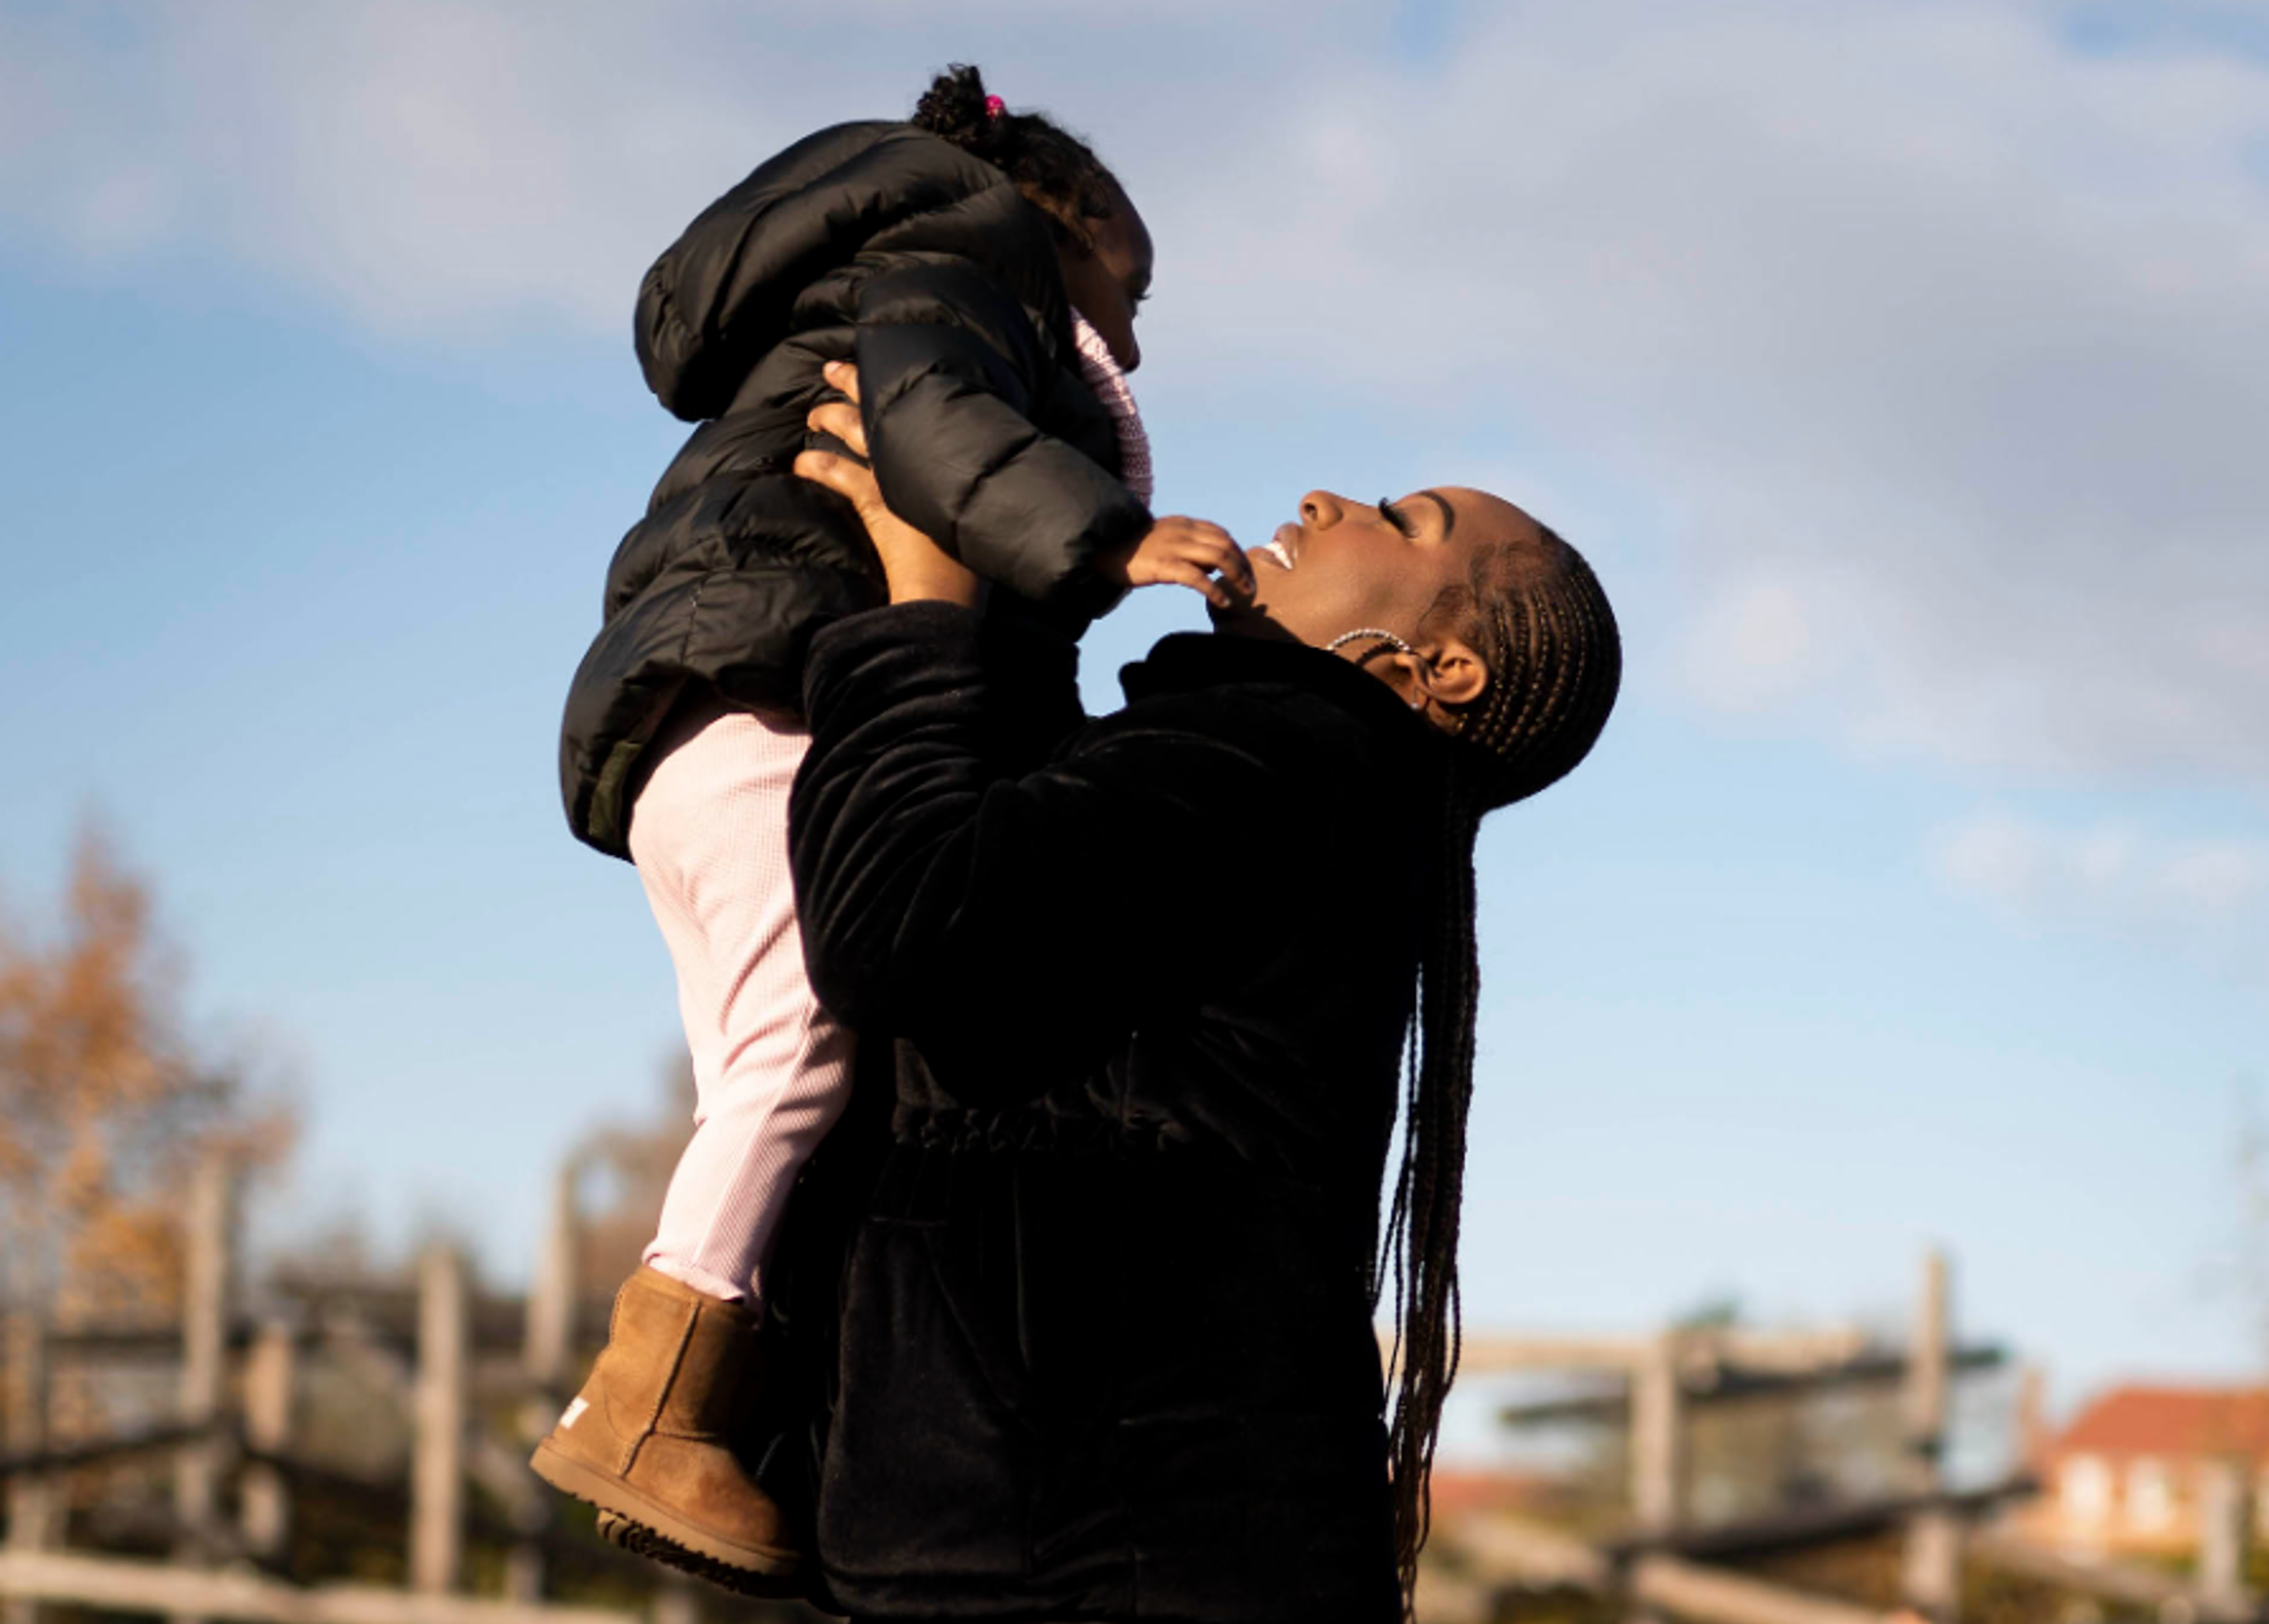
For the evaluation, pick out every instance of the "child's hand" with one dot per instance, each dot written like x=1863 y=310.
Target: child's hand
x=1183 y=552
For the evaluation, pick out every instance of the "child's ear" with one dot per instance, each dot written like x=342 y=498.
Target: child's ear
x=1066 y=223
x=1069 y=228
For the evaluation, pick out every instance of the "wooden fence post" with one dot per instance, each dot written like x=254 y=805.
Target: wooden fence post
x=209 y=1291
x=34 y=1503
x=677 y=1599
x=523 y=1564
x=1931 y=1577
x=2225 y=1536
x=2032 y=1417
x=269 y=1377
x=1657 y=1449
x=547 y=1348
x=436 y=1479
x=1658 y=1436
x=549 y=1338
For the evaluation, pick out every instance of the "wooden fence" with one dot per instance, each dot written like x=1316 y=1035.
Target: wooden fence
x=1667 y=1564
x=450 y=1360
x=240 y=1394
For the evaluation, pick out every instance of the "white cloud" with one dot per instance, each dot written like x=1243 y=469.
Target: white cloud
x=2106 y=872
x=1756 y=641
x=1940 y=341
x=1943 y=342
x=436 y=167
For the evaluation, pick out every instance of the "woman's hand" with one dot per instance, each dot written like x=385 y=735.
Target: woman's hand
x=916 y=567
x=1183 y=552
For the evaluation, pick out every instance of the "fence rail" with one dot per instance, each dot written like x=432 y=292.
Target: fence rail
x=125 y=1585
x=81 y=1452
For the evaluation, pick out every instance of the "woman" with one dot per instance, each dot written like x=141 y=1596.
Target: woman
x=1142 y=986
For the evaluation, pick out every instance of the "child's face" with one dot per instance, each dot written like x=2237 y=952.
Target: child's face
x=1107 y=282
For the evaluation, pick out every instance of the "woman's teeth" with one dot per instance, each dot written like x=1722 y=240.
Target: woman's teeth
x=1278 y=554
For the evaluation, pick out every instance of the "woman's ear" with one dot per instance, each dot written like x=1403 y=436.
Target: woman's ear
x=1451 y=675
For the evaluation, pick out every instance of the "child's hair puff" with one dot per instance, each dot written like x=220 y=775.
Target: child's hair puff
x=1055 y=168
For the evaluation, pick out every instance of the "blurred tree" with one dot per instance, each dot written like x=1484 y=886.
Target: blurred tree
x=626 y=1167
x=105 y=1102
x=1720 y=1311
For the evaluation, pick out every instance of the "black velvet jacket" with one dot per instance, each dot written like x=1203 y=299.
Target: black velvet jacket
x=1138 y=986
x=878 y=242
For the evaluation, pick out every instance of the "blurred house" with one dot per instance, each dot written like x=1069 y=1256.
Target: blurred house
x=1470 y=1492
x=2126 y=1477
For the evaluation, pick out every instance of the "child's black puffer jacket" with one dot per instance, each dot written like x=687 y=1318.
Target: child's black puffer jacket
x=881 y=243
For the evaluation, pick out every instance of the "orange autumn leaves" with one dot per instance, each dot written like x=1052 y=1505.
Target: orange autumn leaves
x=106 y=1102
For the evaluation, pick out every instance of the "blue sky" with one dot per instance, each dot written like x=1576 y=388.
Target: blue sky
x=1900 y=372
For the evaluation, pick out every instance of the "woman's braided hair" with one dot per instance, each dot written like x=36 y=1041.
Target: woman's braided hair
x=1543 y=628
x=1052 y=167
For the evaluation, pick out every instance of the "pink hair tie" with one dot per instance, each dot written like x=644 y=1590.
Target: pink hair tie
x=994 y=106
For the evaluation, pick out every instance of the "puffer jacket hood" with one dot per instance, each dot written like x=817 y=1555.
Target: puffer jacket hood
x=726 y=291
x=876 y=242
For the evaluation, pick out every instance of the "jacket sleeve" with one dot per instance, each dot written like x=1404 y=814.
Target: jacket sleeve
x=948 y=366
x=947 y=887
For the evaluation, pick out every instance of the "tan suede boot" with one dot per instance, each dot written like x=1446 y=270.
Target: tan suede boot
x=648 y=1441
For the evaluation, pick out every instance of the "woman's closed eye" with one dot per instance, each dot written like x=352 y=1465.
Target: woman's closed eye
x=1395 y=516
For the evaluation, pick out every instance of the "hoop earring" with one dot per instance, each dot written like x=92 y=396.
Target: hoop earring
x=1375 y=632
x=1380 y=635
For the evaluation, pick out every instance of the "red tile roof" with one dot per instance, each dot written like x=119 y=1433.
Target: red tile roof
x=2172 y=1422
x=1456 y=1492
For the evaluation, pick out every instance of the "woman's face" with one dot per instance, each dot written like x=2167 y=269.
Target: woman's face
x=1109 y=281
x=1345 y=566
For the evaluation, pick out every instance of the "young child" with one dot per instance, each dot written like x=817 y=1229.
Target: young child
x=983 y=268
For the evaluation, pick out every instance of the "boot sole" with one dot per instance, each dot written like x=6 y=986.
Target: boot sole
x=653 y=1531
x=640 y=1540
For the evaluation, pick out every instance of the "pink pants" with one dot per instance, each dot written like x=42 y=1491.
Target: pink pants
x=771 y=1069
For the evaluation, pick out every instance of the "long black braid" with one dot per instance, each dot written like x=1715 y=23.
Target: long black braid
x=1543 y=627
x=1051 y=165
